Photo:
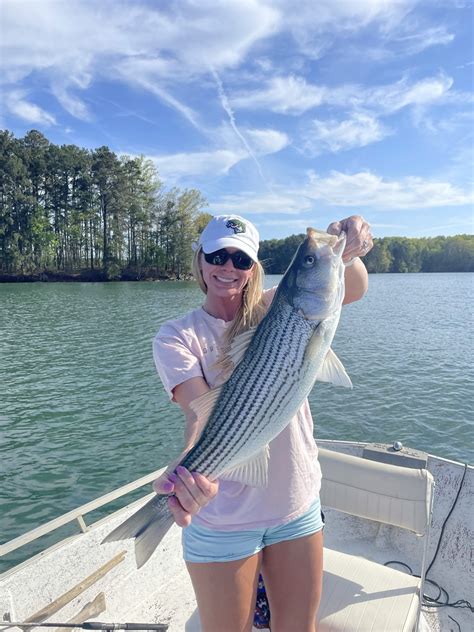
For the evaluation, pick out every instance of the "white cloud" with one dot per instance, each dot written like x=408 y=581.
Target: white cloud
x=72 y=104
x=366 y=190
x=164 y=95
x=294 y=95
x=267 y=141
x=160 y=46
x=363 y=191
x=421 y=39
x=315 y=26
x=253 y=203
x=401 y=94
x=333 y=135
x=27 y=111
x=72 y=43
x=219 y=161
x=201 y=163
x=286 y=95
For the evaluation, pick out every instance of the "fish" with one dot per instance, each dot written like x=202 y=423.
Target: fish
x=274 y=367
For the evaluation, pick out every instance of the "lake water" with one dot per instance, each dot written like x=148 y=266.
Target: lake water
x=83 y=411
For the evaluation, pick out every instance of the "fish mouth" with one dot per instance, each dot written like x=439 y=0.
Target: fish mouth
x=333 y=245
x=321 y=237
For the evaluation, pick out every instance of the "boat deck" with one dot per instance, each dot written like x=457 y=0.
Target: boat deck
x=161 y=591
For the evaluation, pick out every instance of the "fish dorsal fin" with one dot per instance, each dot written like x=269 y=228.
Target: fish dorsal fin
x=333 y=371
x=253 y=471
x=203 y=405
x=235 y=352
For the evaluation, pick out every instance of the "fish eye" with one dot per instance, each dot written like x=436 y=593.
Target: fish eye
x=309 y=260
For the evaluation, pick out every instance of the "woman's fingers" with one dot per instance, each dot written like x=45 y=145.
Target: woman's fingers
x=334 y=228
x=189 y=492
x=193 y=490
x=358 y=236
x=163 y=485
x=180 y=515
x=186 y=490
x=208 y=489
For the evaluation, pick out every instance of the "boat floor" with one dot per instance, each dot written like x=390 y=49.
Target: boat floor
x=161 y=591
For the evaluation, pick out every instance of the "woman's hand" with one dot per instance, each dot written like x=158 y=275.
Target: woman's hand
x=359 y=238
x=189 y=492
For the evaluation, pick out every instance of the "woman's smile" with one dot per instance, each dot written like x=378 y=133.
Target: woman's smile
x=225 y=279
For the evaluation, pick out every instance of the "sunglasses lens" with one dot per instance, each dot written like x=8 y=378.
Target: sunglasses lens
x=242 y=261
x=217 y=258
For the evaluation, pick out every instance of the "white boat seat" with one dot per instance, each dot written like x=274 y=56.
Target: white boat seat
x=387 y=493
x=360 y=595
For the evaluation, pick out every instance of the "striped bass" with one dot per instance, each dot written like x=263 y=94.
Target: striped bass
x=275 y=366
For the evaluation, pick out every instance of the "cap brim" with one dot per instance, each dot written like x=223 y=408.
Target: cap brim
x=229 y=242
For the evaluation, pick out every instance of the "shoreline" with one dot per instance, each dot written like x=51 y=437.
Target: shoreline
x=90 y=276
x=100 y=277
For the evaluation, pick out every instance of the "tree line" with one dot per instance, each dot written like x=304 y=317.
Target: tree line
x=389 y=254
x=65 y=210
x=71 y=213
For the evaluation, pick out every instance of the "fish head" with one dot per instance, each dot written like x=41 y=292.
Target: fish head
x=314 y=281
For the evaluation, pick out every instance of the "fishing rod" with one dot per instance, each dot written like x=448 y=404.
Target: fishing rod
x=89 y=625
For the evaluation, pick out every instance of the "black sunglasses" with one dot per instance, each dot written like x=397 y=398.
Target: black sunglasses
x=240 y=260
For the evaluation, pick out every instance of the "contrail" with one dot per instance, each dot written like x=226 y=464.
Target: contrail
x=230 y=114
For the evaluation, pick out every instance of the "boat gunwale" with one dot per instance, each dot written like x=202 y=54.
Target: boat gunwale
x=78 y=513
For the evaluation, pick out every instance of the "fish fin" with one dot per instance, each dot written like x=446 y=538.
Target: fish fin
x=203 y=406
x=147 y=541
x=234 y=353
x=333 y=371
x=138 y=521
x=253 y=471
x=148 y=525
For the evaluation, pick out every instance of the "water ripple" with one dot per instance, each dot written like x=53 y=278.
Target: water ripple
x=83 y=411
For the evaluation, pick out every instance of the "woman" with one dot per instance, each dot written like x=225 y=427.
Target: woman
x=232 y=530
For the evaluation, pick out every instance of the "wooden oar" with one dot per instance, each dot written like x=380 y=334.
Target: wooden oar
x=64 y=599
x=90 y=610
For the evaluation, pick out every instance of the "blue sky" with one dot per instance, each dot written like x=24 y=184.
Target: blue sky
x=289 y=112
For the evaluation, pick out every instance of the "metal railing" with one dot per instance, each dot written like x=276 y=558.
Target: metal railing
x=77 y=514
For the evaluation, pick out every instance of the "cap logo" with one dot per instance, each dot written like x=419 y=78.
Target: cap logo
x=236 y=225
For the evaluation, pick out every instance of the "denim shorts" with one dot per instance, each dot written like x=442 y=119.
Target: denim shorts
x=201 y=544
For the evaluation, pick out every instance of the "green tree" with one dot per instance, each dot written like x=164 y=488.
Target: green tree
x=379 y=259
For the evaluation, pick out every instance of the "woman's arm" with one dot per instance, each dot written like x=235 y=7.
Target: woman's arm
x=356 y=282
x=191 y=490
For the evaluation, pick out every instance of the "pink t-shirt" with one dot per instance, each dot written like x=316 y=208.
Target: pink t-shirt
x=188 y=347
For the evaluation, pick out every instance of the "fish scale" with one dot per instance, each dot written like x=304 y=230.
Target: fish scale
x=280 y=373
x=290 y=348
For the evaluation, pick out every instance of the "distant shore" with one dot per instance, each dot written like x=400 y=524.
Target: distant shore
x=86 y=276
x=92 y=276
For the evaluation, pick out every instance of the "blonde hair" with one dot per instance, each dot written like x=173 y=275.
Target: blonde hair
x=252 y=309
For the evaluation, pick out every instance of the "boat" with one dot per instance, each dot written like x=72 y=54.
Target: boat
x=398 y=538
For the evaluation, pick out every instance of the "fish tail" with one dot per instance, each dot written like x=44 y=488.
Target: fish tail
x=148 y=526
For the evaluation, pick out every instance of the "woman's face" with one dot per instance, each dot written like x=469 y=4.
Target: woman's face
x=224 y=281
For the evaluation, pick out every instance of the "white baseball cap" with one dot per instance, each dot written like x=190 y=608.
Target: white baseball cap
x=229 y=231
